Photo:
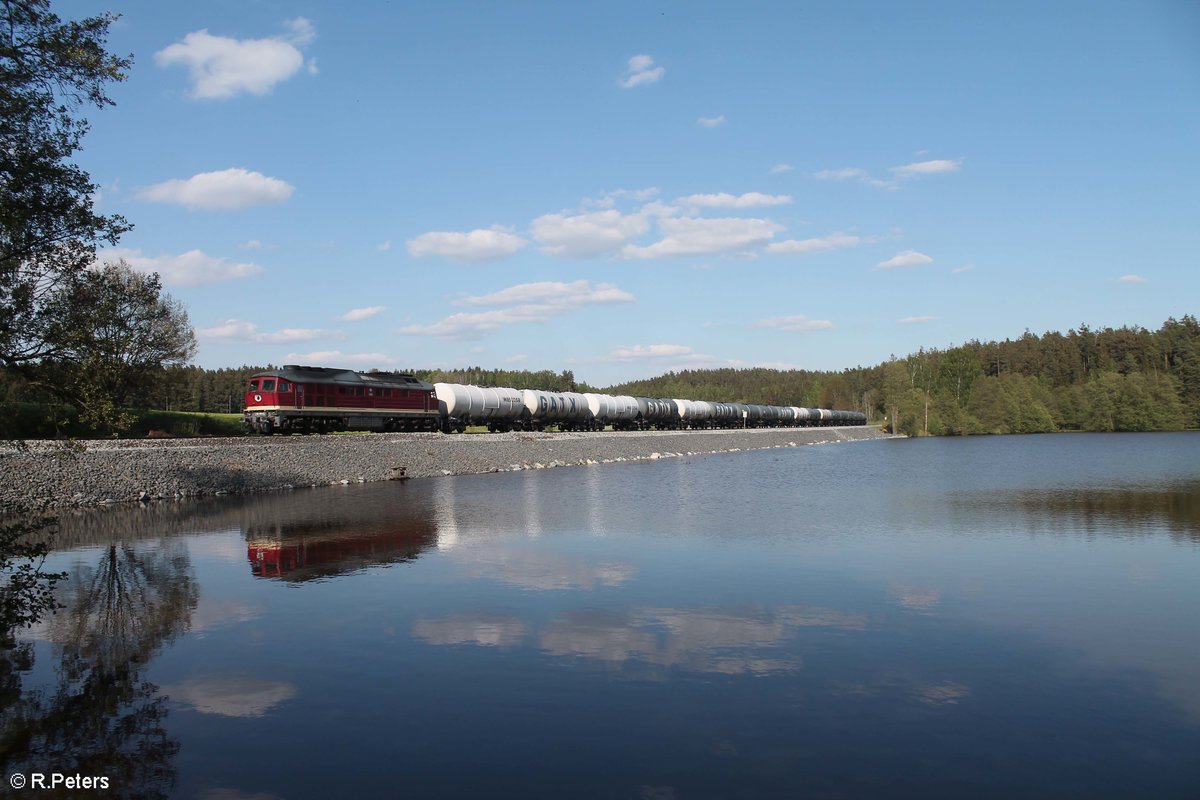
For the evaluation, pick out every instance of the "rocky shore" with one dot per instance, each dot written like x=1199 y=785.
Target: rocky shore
x=53 y=474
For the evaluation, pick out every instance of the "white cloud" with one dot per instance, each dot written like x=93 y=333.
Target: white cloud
x=795 y=324
x=242 y=331
x=852 y=174
x=222 y=67
x=193 y=268
x=906 y=258
x=484 y=630
x=226 y=190
x=383 y=247
x=779 y=168
x=488 y=244
x=536 y=302
x=474 y=324
x=234 y=696
x=252 y=244
x=802 y=246
x=590 y=234
x=915 y=320
x=687 y=236
x=726 y=200
x=551 y=293
x=301 y=31
x=356 y=314
x=962 y=269
x=710 y=122
x=338 y=357
x=641 y=70
x=638 y=352
x=671 y=357
x=845 y=174
x=934 y=167
x=610 y=199
x=518 y=358
x=1132 y=279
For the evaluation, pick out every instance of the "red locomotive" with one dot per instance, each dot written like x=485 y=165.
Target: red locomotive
x=296 y=399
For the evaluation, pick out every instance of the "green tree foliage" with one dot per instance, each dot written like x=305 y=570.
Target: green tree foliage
x=114 y=331
x=1111 y=401
x=545 y=380
x=1085 y=379
x=49 y=230
x=1010 y=404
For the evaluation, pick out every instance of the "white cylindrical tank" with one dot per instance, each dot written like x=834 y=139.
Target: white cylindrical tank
x=611 y=408
x=602 y=406
x=626 y=407
x=477 y=402
x=555 y=406
x=575 y=407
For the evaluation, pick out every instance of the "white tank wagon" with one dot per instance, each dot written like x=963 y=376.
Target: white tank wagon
x=568 y=410
x=695 y=413
x=620 y=411
x=462 y=405
x=703 y=413
x=656 y=412
x=726 y=415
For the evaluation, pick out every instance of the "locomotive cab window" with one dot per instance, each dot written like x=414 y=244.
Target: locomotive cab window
x=268 y=386
x=284 y=387
x=254 y=386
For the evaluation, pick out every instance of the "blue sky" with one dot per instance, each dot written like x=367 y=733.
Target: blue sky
x=622 y=188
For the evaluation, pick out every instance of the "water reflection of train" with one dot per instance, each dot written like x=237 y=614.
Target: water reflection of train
x=304 y=553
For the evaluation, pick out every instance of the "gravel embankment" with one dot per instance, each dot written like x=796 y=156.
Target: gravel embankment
x=50 y=474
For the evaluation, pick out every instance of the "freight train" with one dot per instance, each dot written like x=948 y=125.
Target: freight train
x=301 y=399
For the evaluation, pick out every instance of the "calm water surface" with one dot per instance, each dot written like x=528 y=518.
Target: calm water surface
x=1000 y=617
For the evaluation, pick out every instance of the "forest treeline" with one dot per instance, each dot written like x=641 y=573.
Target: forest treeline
x=1108 y=379
x=1105 y=379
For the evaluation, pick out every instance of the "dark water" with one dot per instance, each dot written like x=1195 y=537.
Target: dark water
x=1009 y=617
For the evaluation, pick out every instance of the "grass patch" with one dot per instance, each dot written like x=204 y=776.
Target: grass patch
x=52 y=421
x=184 y=423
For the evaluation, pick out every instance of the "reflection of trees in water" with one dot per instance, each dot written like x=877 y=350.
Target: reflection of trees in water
x=101 y=717
x=1127 y=511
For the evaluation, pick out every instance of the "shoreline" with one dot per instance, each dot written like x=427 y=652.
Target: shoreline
x=47 y=474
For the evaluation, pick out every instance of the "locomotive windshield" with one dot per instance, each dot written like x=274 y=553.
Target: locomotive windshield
x=254 y=386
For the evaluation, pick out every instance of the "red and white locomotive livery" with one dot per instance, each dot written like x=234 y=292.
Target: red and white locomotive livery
x=296 y=399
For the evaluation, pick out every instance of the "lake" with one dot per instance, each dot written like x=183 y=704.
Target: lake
x=979 y=617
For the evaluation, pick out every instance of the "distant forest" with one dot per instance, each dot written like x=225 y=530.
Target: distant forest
x=1110 y=379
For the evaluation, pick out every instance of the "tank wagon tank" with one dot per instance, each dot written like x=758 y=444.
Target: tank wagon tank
x=304 y=399
x=619 y=411
x=460 y=406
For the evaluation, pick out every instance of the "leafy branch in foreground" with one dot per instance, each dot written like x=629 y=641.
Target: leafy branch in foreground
x=27 y=591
